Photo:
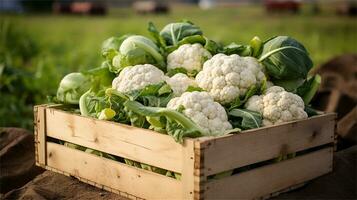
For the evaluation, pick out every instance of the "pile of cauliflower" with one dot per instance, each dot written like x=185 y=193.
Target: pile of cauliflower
x=181 y=82
x=221 y=79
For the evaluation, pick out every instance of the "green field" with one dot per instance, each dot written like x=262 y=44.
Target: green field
x=37 y=50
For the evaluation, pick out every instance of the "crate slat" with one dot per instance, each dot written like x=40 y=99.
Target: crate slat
x=40 y=132
x=188 y=169
x=112 y=174
x=125 y=141
x=195 y=159
x=266 y=143
x=263 y=181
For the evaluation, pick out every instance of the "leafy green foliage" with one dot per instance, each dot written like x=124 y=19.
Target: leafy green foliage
x=157 y=95
x=74 y=146
x=152 y=95
x=254 y=48
x=187 y=40
x=100 y=77
x=110 y=46
x=212 y=46
x=137 y=49
x=134 y=57
x=233 y=48
x=160 y=41
x=99 y=153
x=310 y=111
x=245 y=119
x=172 y=72
x=285 y=59
x=37 y=58
x=74 y=85
x=309 y=88
x=173 y=33
x=256 y=45
x=107 y=114
x=191 y=88
x=92 y=103
x=71 y=88
x=132 y=163
x=21 y=86
x=289 y=85
x=239 y=101
x=176 y=124
x=263 y=86
x=153 y=169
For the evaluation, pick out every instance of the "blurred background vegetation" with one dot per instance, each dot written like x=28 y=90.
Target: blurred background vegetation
x=38 y=49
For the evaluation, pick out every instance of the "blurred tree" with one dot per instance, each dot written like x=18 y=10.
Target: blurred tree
x=37 y=5
x=17 y=49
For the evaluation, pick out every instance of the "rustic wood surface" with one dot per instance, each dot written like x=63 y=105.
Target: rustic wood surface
x=340 y=184
x=254 y=146
x=196 y=159
x=117 y=176
x=40 y=133
x=262 y=181
x=130 y=142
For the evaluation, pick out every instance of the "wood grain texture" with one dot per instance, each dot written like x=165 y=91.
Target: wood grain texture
x=199 y=176
x=138 y=144
x=263 y=181
x=345 y=124
x=110 y=174
x=40 y=134
x=195 y=159
x=233 y=151
x=187 y=177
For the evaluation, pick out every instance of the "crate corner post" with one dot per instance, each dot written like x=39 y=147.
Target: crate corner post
x=192 y=177
x=40 y=134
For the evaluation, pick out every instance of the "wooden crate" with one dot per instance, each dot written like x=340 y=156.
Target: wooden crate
x=196 y=159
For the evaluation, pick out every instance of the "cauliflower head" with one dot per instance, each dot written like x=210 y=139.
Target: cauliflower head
x=277 y=106
x=188 y=56
x=203 y=110
x=228 y=77
x=179 y=83
x=137 y=77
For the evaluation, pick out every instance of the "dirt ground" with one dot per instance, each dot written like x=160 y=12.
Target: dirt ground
x=20 y=179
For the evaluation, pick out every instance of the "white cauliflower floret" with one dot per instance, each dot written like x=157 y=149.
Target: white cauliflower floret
x=188 y=56
x=179 y=83
x=228 y=77
x=201 y=109
x=277 y=106
x=137 y=77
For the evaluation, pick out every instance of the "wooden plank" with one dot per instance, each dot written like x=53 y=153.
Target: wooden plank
x=187 y=176
x=112 y=174
x=125 y=141
x=266 y=143
x=35 y=111
x=40 y=134
x=199 y=176
x=271 y=178
x=333 y=101
x=345 y=124
x=121 y=193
